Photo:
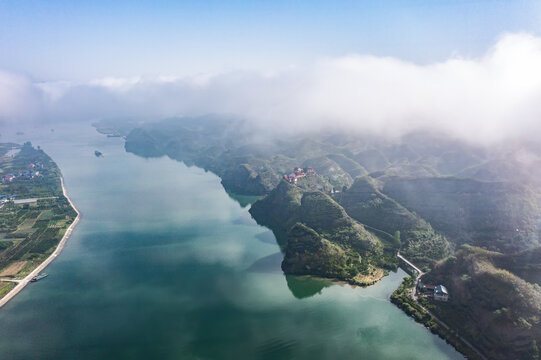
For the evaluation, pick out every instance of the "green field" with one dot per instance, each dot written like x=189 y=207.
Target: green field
x=5 y=287
x=30 y=232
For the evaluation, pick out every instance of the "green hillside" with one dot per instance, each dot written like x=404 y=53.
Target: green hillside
x=496 y=215
x=425 y=194
x=366 y=204
x=318 y=237
x=492 y=307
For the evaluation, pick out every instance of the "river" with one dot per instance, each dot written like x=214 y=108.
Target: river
x=164 y=264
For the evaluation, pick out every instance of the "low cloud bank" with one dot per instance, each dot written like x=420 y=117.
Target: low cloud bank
x=487 y=99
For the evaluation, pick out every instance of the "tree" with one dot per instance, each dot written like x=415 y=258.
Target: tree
x=534 y=350
x=397 y=238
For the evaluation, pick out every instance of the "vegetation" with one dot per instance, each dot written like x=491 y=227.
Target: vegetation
x=402 y=297
x=332 y=171
x=425 y=195
x=308 y=253
x=498 y=216
x=30 y=231
x=318 y=237
x=5 y=287
x=365 y=203
x=115 y=127
x=492 y=307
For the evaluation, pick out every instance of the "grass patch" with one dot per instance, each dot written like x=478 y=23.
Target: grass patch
x=5 y=287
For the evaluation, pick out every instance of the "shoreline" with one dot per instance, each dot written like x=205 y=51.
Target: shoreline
x=460 y=344
x=22 y=283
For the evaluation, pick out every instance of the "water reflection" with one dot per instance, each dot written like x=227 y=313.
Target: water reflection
x=306 y=286
x=164 y=264
x=243 y=200
x=268 y=264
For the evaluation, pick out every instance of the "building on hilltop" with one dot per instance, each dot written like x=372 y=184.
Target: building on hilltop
x=298 y=173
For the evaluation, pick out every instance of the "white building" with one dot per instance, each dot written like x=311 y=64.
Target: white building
x=441 y=293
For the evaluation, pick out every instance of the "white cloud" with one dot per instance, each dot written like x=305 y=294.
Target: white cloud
x=484 y=99
x=19 y=99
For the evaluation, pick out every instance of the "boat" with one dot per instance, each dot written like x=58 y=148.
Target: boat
x=98 y=153
x=39 y=277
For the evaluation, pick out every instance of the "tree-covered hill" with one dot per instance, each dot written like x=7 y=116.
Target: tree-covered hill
x=500 y=216
x=312 y=227
x=366 y=204
x=492 y=307
x=424 y=193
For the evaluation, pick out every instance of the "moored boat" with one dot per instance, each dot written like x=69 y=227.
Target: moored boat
x=39 y=277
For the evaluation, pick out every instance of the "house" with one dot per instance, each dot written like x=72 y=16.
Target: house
x=310 y=171
x=441 y=293
x=292 y=178
x=8 y=178
x=297 y=173
x=425 y=288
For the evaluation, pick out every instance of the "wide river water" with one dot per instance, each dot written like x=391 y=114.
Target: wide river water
x=164 y=264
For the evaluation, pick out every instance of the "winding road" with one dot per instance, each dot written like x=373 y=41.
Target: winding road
x=447 y=327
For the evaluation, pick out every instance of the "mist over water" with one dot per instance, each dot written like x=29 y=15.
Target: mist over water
x=165 y=264
x=483 y=100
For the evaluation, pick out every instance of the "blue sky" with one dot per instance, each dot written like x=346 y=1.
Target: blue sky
x=75 y=40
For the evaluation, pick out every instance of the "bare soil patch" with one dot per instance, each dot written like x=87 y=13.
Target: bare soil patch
x=13 y=268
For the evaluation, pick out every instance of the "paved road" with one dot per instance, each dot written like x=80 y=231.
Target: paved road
x=410 y=264
x=10 y=280
x=419 y=272
x=447 y=327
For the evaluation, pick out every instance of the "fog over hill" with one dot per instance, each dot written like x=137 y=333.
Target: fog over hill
x=482 y=100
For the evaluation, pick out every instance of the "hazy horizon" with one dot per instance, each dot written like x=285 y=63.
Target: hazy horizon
x=465 y=68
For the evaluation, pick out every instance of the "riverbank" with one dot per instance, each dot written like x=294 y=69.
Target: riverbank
x=22 y=283
x=405 y=298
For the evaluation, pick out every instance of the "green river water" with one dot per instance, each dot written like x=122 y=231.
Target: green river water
x=164 y=264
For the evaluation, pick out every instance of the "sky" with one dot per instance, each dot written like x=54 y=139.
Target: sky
x=469 y=68
x=83 y=40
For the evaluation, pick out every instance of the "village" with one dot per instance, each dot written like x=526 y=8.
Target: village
x=298 y=173
x=31 y=173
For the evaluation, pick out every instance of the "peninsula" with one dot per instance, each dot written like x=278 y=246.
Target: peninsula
x=36 y=216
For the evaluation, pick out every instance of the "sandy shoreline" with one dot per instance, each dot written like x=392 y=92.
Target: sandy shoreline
x=22 y=283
